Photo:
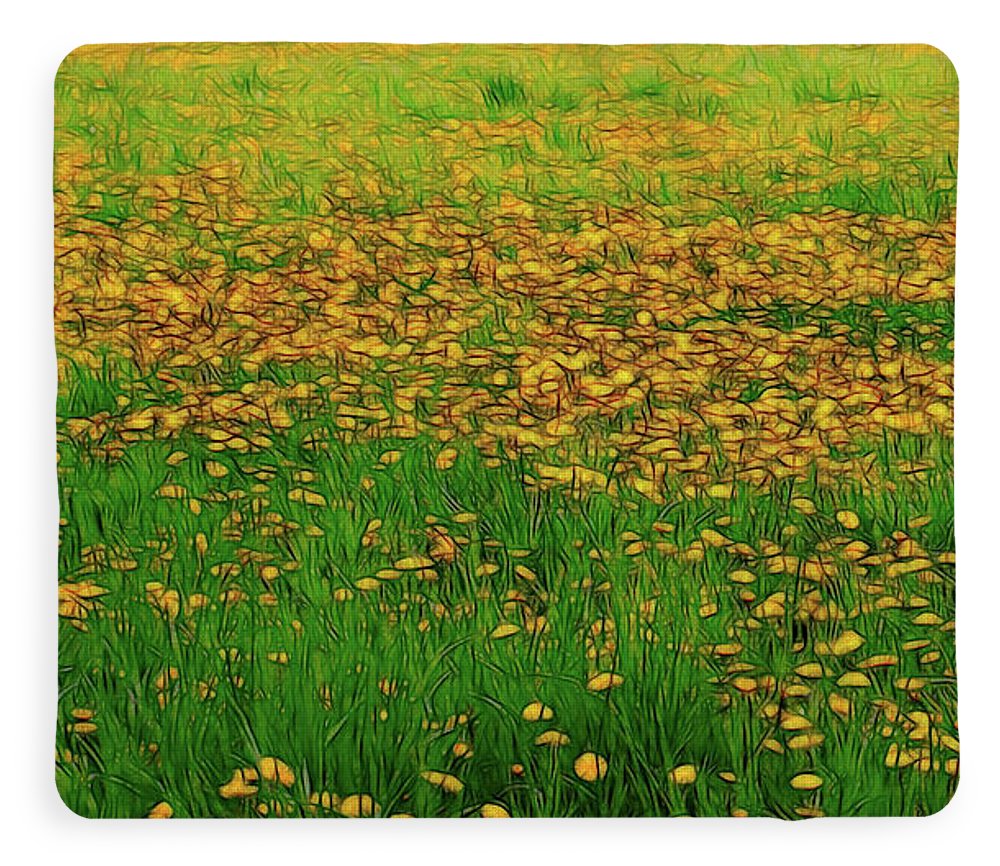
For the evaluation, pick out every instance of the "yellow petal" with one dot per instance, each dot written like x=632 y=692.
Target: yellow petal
x=854 y=679
x=446 y=782
x=243 y=784
x=413 y=563
x=555 y=739
x=590 y=767
x=604 y=681
x=359 y=806
x=846 y=643
x=685 y=774
x=161 y=810
x=806 y=782
x=806 y=741
x=275 y=770
x=446 y=459
x=536 y=711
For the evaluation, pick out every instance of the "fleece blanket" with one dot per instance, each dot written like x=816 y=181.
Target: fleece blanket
x=505 y=431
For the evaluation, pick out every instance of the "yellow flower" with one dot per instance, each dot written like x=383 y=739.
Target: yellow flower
x=275 y=770
x=161 y=810
x=604 y=681
x=243 y=784
x=446 y=782
x=359 y=806
x=536 y=711
x=590 y=766
x=685 y=774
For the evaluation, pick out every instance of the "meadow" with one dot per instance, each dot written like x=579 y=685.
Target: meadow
x=497 y=431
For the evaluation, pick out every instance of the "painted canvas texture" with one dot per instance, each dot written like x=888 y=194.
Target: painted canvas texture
x=505 y=431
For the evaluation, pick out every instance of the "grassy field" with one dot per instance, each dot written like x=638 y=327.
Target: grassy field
x=530 y=431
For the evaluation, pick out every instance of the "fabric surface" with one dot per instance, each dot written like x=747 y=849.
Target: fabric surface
x=505 y=430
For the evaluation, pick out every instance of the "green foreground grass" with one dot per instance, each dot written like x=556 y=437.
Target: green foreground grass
x=324 y=713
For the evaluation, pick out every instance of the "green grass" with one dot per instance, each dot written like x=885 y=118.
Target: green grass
x=128 y=129
x=665 y=713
